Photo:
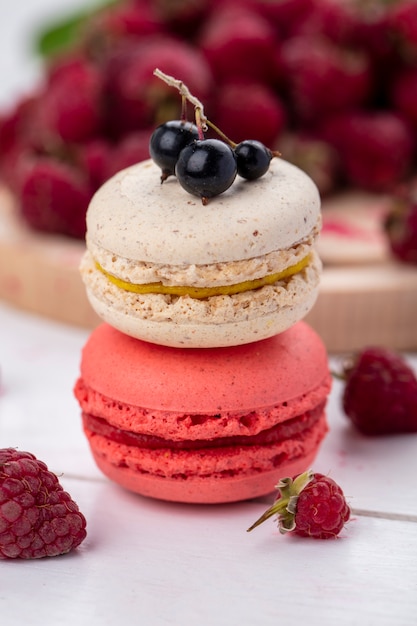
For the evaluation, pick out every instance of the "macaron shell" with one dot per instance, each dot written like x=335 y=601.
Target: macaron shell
x=240 y=391
x=238 y=378
x=199 y=489
x=205 y=335
x=178 y=427
x=135 y=217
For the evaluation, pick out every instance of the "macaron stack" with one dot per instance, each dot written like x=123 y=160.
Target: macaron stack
x=203 y=385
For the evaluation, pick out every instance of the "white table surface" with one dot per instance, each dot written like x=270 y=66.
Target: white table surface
x=150 y=562
x=154 y=563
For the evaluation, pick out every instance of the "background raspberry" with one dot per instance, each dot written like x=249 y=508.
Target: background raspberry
x=336 y=78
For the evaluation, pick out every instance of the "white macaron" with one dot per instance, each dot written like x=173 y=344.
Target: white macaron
x=162 y=267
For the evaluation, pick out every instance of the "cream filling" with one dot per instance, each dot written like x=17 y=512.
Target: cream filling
x=205 y=292
x=282 y=295
x=206 y=275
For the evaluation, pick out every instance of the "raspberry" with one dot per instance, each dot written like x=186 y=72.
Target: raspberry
x=402 y=28
x=315 y=156
x=310 y=505
x=404 y=95
x=375 y=148
x=37 y=517
x=380 y=394
x=108 y=26
x=70 y=108
x=93 y=158
x=400 y=225
x=313 y=66
x=334 y=20
x=240 y=43
x=321 y=509
x=54 y=198
x=183 y=18
x=285 y=15
x=135 y=99
x=266 y=125
x=14 y=126
x=132 y=148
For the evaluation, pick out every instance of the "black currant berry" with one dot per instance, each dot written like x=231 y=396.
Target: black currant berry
x=166 y=143
x=206 y=168
x=253 y=159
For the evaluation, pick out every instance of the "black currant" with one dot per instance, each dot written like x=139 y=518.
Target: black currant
x=206 y=168
x=253 y=159
x=167 y=141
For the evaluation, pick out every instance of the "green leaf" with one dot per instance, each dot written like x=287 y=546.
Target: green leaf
x=62 y=34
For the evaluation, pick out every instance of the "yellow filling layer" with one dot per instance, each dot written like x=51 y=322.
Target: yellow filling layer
x=206 y=292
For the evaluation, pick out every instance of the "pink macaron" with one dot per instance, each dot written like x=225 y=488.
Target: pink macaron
x=203 y=425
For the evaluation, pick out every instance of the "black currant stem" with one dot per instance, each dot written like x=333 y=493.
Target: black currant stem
x=183 y=109
x=221 y=134
x=233 y=144
x=199 y=123
x=202 y=122
x=185 y=93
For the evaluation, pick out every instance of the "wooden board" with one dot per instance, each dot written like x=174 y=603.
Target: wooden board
x=364 y=298
x=39 y=272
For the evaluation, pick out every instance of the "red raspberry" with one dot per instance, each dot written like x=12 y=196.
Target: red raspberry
x=310 y=505
x=70 y=107
x=380 y=395
x=321 y=509
x=131 y=149
x=93 y=158
x=333 y=19
x=182 y=18
x=107 y=27
x=266 y=125
x=375 y=148
x=14 y=125
x=284 y=15
x=135 y=96
x=315 y=156
x=37 y=517
x=240 y=43
x=402 y=28
x=313 y=66
x=54 y=197
x=401 y=225
x=100 y=160
x=404 y=94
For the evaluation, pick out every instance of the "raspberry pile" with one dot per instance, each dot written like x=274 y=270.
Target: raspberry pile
x=332 y=84
x=37 y=517
x=380 y=393
x=309 y=505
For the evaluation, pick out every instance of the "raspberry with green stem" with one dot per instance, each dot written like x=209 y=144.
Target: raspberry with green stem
x=310 y=505
x=285 y=506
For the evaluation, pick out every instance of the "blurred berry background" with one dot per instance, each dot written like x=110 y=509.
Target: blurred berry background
x=332 y=84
